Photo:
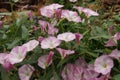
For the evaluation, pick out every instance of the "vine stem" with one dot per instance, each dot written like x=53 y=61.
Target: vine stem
x=11 y=5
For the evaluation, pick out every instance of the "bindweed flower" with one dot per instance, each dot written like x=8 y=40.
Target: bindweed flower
x=80 y=71
x=45 y=60
x=90 y=73
x=48 y=27
x=25 y=72
x=111 y=42
x=67 y=36
x=72 y=72
x=31 y=45
x=7 y=65
x=35 y=27
x=49 y=11
x=86 y=11
x=87 y=70
x=80 y=9
x=64 y=52
x=3 y=56
x=78 y=37
x=117 y=36
x=43 y=25
x=70 y=16
x=58 y=13
x=101 y=78
x=40 y=38
x=111 y=29
x=49 y=59
x=5 y=62
x=52 y=30
x=103 y=64
x=30 y=15
x=1 y=23
x=54 y=22
x=17 y=54
x=73 y=0
x=68 y=72
x=115 y=54
x=81 y=63
x=50 y=43
x=42 y=61
x=89 y=12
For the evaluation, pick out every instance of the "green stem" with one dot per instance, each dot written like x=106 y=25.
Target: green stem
x=11 y=5
x=68 y=45
x=54 y=72
x=44 y=76
x=60 y=63
x=85 y=32
x=59 y=22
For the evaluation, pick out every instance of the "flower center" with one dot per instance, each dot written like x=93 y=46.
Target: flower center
x=27 y=73
x=51 y=46
x=105 y=65
x=19 y=56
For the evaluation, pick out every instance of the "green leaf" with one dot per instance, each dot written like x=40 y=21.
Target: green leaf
x=18 y=22
x=4 y=74
x=100 y=36
x=14 y=43
x=4 y=36
x=14 y=77
x=15 y=1
x=116 y=77
x=55 y=77
x=25 y=32
x=99 y=32
x=92 y=54
x=6 y=26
